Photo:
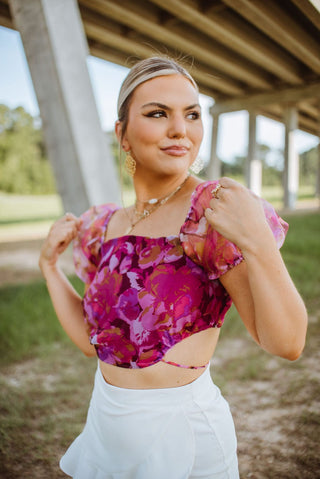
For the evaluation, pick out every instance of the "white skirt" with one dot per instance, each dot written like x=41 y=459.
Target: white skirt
x=185 y=432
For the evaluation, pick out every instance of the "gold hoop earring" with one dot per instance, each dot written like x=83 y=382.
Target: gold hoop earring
x=197 y=165
x=130 y=164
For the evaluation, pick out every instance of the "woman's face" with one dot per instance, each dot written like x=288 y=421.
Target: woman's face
x=164 y=129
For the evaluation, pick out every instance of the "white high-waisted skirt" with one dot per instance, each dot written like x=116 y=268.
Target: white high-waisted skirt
x=185 y=432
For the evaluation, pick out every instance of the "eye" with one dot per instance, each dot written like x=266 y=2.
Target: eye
x=156 y=114
x=194 y=115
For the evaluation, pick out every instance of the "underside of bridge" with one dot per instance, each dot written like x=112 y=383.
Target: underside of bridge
x=255 y=55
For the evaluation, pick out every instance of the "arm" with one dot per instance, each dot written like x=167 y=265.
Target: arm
x=66 y=301
x=261 y=288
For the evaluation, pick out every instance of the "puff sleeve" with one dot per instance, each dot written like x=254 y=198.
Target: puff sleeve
x=206 y=247
x=86 y=246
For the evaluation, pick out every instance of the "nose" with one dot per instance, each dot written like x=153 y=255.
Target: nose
x=177 y=127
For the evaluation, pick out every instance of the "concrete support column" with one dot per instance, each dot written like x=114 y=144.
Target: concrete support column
x=317 y=186
x=253 y=165
x=56 y=50
x=318 y=172
x=291 y=159
x=214 y=167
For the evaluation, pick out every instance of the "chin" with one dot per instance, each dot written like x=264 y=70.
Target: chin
x=177 y=167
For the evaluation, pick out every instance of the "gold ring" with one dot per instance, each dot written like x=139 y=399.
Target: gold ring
x=215 y=191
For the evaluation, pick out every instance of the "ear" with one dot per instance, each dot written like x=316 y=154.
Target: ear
x=122 y=140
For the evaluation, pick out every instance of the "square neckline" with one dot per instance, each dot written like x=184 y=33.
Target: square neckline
x=164 y=237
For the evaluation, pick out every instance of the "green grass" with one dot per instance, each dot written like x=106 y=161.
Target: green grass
x=274 y=194
x=28 y=321
x=16 y=209
x=301 y=253
x=42 y=411
x=25 y=208
x=30 y=216
x=46 y=381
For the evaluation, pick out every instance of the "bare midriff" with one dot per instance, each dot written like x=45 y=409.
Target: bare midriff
x=196 y=350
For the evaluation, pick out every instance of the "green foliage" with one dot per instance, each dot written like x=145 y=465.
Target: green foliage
x=119 y=158
x=301 y=253
x=309 y=166
x=28 y=320
x=272 y=172
x=24 y=168
x=22 y=209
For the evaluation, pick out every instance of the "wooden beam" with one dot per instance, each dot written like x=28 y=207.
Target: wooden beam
x=211 y=54
x=275 y=22
x=311 y=9
x=116 y=40
x=310 y=110
x=275 y=112
x=204 y=78
x=109 y=54
x=5 y=16
x=288 y=95
x=207 y=85
x=140 y=49
x=238 y=36
x=310 y=126
x=110 y=34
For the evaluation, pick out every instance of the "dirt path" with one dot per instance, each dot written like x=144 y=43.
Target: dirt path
x=19 y=261
x=275 y=404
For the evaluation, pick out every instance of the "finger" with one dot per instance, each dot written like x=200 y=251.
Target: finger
x=65 y=241
x=216 y=190
x=209 y=214
x=69 y=217
x=62 y=234
x=227 y=182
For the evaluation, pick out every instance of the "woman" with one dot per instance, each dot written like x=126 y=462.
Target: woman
x=160 y=277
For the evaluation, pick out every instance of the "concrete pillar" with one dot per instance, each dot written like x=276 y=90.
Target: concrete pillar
x=253 y=165
x=318 y=172
x=214 y=166
x=291 y=159
x=56 y=50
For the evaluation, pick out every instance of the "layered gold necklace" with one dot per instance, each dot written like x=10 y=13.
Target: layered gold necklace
x=151 y=205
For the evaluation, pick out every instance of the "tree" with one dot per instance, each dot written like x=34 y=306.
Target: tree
x=24 y=167
x=309 y=166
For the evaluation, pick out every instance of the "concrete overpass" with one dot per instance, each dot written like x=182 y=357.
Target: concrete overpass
x=257 y=55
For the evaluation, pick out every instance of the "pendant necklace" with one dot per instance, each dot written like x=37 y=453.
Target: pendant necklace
x=155 y=204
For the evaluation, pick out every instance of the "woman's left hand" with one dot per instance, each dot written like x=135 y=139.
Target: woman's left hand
x=237 y=214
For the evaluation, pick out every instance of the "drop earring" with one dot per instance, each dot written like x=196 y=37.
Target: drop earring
x=197 y=165
x=130 y=164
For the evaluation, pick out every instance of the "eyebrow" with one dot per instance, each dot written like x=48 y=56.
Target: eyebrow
x=165 y=107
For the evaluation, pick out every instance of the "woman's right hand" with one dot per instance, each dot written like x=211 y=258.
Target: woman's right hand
x=61 y=233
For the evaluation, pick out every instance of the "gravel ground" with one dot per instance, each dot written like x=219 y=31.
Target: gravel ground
x=276 y=412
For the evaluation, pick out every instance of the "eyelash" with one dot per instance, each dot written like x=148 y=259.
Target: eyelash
x=161 y=113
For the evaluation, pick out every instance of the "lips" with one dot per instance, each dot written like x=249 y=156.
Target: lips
x=175 y=150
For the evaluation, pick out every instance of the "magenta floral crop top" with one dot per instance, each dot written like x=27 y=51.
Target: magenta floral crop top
x=147 y=294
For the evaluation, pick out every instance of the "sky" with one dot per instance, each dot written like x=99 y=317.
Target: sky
x=16 y=89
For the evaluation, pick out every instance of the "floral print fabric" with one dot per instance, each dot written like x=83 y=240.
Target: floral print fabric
x=147 y=294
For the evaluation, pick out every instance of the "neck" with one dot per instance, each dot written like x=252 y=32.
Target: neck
x=147 y=189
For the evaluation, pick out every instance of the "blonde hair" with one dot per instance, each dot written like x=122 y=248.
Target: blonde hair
x=141 y=72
